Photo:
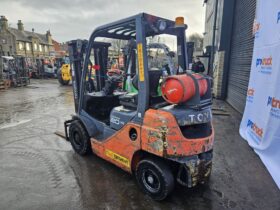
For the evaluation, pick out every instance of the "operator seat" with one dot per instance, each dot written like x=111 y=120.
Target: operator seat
x=130 y=100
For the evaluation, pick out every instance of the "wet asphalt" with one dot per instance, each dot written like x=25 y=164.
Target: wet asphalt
x=39 y=170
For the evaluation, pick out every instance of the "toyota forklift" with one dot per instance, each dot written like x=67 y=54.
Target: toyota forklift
x=161 y=137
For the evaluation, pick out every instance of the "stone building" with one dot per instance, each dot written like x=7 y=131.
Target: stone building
x=18 y=42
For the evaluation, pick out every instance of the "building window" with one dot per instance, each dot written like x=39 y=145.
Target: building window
x=46 y=48
x=27 y=46
x=20 y=46
x=35 y=46
x=40 y=48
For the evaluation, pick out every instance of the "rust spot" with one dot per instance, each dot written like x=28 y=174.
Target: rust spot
x=174 y=150
x=203 y=148
x=157 y=145
x=160 y=144
x=164 y=131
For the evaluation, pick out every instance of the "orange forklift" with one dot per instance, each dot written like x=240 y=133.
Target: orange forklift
x=161 y=133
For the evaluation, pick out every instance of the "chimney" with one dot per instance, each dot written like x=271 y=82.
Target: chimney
x=49 y=37
x=33 y=30
x=3 y=23
x=48 y=33
x=20 y=25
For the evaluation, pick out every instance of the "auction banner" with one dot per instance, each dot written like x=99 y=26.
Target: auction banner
x=260 y=124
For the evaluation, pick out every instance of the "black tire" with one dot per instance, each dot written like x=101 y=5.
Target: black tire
x=60 y=79
x=79 y=138
x=155 y=178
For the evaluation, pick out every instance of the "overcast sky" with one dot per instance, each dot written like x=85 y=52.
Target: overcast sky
x=71 y=19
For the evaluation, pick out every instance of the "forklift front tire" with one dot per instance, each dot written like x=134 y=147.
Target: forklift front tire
x=79 y=138
x=155 y=178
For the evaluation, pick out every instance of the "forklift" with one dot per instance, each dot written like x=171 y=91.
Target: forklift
x=63 y=71
x=22 y=73
x=161 y=137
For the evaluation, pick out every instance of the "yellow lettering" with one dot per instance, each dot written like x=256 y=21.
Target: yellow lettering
x=118 y=158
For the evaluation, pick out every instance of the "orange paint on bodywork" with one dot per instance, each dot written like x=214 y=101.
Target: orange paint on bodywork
x=161 y=135
x=119 y=143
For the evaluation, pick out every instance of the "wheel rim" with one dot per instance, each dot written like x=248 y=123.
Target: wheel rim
x=150 y=180
x=77 y=139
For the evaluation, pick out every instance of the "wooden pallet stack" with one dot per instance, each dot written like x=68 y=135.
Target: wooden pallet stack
x=5 y=84
x=2 y=85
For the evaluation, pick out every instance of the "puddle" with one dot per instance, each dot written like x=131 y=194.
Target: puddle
x=14 y=124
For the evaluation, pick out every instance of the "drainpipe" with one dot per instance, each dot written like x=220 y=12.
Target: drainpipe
x=213 y=39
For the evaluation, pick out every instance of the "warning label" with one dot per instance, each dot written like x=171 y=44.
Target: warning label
x=117 y=157
x=140 y=62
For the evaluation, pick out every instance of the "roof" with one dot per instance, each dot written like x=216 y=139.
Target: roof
x=25 y=36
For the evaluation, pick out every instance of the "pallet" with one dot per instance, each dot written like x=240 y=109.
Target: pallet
x=2 y=85
x=5 y=84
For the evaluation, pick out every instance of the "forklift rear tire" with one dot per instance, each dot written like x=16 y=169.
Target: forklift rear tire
x=79 y=138
x=155 y=178
x=60 y=79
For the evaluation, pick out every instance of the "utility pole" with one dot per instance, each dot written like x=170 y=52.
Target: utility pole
x=1 y=64
x=213 y=38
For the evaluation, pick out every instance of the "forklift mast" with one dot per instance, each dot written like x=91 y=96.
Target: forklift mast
x=101 y=61
x=77 y=49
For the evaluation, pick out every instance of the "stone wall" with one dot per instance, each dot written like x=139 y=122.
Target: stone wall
x=7 y=43
x=218 y=73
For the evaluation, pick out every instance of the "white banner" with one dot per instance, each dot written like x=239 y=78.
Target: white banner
x=260 y=124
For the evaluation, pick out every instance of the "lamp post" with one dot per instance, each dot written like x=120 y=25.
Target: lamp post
x=1 y=50
x=1 y=63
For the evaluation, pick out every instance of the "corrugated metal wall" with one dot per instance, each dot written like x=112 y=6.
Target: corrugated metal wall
x=242 y=43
